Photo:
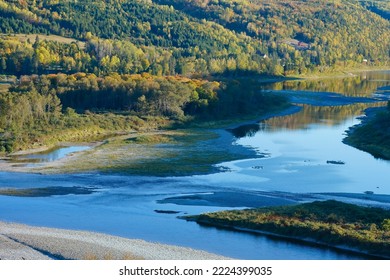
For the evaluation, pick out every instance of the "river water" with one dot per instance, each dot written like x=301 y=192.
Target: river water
x=301 y=157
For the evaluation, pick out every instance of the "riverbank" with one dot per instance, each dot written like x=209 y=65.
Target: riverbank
x=331 y=223
x=190 y=151
x=20 y=241
x=372 y=135
x=193 y=150
x=122 y=153
x=341 y=73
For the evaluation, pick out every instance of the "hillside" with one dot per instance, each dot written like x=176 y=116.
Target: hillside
x=121 y=65
x=169 y=37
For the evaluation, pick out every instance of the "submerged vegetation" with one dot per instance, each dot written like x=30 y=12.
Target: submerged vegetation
x=330 y=222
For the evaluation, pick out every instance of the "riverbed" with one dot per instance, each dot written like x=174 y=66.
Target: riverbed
x=293 y=158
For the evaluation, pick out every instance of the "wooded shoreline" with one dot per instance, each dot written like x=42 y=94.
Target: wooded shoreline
x=372 y=135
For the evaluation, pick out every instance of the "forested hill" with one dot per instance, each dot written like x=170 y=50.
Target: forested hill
x=168 y=37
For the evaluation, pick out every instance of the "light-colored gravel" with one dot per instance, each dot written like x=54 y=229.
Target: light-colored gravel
x=12 y=250
x=19 y=241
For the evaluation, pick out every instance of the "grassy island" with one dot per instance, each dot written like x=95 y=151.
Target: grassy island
x=331 y=223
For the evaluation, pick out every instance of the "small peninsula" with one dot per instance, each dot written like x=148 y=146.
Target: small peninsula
x=373 y=134
x=331 y=223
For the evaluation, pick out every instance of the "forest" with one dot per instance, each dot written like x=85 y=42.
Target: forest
x=62 y=107
x=199 y=37
x=84 y=68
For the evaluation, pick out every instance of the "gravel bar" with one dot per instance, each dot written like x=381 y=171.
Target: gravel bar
x=19 y=241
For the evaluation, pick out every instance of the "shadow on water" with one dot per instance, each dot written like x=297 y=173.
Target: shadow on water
x=248 y=130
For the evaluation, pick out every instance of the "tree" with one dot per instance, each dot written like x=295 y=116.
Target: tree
x=3 y=65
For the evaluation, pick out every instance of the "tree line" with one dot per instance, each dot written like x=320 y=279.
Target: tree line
x=38 y=106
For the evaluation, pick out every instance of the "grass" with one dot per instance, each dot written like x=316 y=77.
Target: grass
x=160 y=153
x=155 y=138
x=330 y=222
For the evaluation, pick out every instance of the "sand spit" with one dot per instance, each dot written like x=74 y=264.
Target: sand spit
x=19 y=241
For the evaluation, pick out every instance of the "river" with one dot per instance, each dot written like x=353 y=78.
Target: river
x=300 y=157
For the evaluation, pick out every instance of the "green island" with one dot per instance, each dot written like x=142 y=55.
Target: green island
x=373 y=134
x=331 y=223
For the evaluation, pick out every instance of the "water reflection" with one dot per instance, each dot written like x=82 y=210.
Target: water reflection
x=365 y=84
x=54 y=154
x=360 y=85
x=248 y=130
x=309 y=115
x=325 y=115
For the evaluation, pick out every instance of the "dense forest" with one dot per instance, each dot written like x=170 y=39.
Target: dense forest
x=168 y=37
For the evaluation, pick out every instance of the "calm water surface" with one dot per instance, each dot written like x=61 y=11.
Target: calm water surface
x=55 y=154
x=293 y=166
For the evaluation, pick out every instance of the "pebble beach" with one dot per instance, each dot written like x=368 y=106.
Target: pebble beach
x=23 y=242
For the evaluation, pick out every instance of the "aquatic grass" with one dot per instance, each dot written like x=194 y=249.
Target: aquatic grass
x=150 y=139
x=167 y=153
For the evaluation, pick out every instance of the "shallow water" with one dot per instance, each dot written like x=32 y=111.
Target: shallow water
x=300 y=161
x=296 y=168
x=54 y=154
x=125 y=206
